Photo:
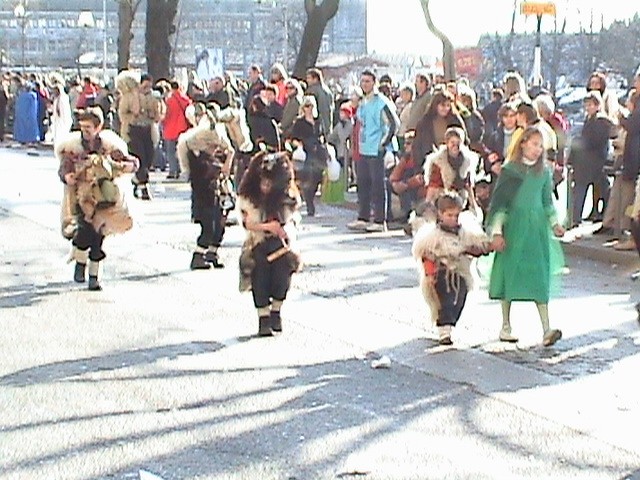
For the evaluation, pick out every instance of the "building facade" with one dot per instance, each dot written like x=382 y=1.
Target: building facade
x=51 y=33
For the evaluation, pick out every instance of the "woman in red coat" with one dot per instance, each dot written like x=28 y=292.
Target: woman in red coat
x=174 y=124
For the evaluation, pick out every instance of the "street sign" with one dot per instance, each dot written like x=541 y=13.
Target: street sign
x=538 y=8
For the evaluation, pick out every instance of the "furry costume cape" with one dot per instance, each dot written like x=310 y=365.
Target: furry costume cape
x=127 y=83
x=251 y=212
x=202 y=139
x=115 y=219
x=434 y=244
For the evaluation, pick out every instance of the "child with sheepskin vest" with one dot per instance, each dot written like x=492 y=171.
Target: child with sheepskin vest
x=444 y=250
x=91 y=160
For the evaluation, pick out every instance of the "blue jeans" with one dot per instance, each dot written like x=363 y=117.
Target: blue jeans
x=372 y=192
x=172 y=159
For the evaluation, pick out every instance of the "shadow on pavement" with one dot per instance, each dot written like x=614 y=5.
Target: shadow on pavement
x=316 y=421
x=67 y=370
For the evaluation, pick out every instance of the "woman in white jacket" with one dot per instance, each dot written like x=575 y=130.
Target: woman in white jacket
x=61 y=119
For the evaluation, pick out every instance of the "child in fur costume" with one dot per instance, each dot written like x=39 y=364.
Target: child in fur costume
x=205 y=154
x=444 y=250
x=93 y=204
x=269 y=202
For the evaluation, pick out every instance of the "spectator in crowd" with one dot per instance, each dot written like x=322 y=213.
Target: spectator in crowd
x=497 y=143
x=490 y=111
x=279 y=78
x=610 y=105
x=4 y=102
x=323 y=96
x=294 y=94
x=407 y=96
x=431 y=127
x=263 y=129
x=378 y=126
x=61 y=117
x=589 y=153
x=25 y=123
x=88 y=94
x=218 y=93
x=308 y=131
x=421 y=102
x=174 y=124
x=273 y=109
x=473 y=121
x=256 y=85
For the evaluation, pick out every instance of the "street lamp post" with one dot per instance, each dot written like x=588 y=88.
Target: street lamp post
x=20 y=13
x=537 y=9
x=104 y=41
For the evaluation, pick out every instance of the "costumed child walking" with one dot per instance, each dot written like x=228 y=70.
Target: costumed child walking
x=93 y=204
x=444 y=250
x=522 y=221
x=205 y=155
x=269 y=202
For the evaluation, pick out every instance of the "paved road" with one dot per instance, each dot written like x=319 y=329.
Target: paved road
x=161 y=371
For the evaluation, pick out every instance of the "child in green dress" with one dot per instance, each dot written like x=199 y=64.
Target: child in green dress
x=521 y=221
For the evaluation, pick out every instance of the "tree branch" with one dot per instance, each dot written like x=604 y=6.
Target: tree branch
x=309 y=6
x=329 y=8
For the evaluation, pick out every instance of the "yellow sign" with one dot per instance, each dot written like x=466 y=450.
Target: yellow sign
x=536 y=8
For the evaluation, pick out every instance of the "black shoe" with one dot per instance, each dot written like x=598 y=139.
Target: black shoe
x=135 y=189
x=78 y=274
x=264 y=327
x=276 y=321
x=445 y=341
x=603 y=231
x=94 y=284
x=198 y=262
x=145 y=195
x=212 y=258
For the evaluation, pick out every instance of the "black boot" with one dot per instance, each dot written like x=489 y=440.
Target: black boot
x=79 y=273
x=135 y=188
x=276 y=321
x=94 y=284
x=264 y=327
x=212 y=258
x=198 y=262
x=144 y=192
x=94 y=270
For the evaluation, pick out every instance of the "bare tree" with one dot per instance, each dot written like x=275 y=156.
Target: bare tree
x=159 y=29
x=503 y=48
x=448 y=60
x=126 y=12
x=559 y=41
x=317 y=18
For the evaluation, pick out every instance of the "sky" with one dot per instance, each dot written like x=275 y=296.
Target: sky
x=398 y=26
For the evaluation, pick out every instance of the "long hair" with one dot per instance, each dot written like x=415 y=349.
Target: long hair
x=518 y=151
x=439 y=97
x=278 y=168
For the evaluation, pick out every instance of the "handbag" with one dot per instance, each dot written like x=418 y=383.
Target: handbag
x=299 y=156
x=333 y=167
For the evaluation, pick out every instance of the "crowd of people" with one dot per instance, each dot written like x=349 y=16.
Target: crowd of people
x=424 y=145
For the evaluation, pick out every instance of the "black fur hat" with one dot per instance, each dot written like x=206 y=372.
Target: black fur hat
x=278 y=168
